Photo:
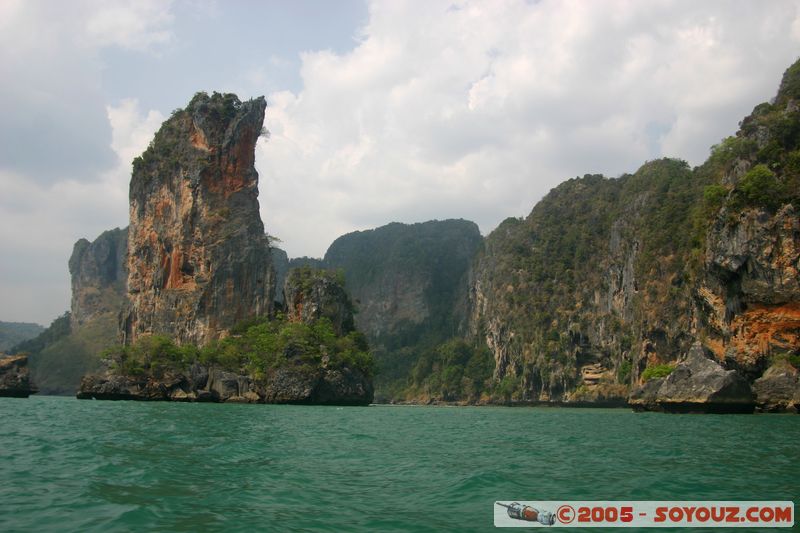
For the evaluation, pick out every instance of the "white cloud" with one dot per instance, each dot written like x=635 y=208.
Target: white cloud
x=442 y=109
x=41 y=222
x=132 y=130
x=52 y=99
x=135 y=25
x=65 y=154
x=477 y=109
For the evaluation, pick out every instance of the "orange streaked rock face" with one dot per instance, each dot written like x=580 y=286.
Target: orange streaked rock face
x=751 y=299
x=198 y=258
x=765 y=329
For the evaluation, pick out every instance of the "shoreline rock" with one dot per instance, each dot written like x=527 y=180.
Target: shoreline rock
x=324 y=386
x=778 y=390
x=697 y=385
x=15 y=379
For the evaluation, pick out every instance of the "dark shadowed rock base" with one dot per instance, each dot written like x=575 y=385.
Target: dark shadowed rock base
x=200 y=384
x=697 y=385
x=778 y=390
x=15 y=378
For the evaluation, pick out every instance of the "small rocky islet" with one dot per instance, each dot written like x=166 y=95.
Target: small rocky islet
x=671 y=289
x=15 y=380
x=307 y=366
x=199 y=264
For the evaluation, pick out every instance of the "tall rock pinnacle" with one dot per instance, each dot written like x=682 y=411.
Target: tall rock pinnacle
x=198 y=258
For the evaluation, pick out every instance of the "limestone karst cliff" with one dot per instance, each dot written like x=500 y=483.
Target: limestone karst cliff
x=195 y=259
x=597 y=296
x=15 y=377
x=198 y=259
x=312 y=356
x=407 y=276
x=409 y=286
x=609 y=277
x=750 y=291
x=589 y=284
x=197 y=323
x=98 y=272
x=71 y=344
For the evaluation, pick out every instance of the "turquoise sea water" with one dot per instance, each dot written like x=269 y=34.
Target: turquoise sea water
x=69 y=465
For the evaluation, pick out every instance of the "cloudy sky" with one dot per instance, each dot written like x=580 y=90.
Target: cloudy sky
x=378 y=111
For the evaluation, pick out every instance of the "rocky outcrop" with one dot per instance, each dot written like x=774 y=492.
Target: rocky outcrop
x=326 y=387
x=198 y=258
x=645 y=396
x=321 y=386
x=751 y=292
x=14 y=377
x=778 y=390
x=98 y=272
x=280 y=262
x=314 y=294
x=628 y=273
x=698 y=384
x=311 y=296
x=70 y=347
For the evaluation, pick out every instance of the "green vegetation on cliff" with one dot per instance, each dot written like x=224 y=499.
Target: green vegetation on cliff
x=657 y=371
x=608 y=279
x=767 y=145
x=409 y=283
x=254 y=349
x=166 y=152
x=454 y=370
x=577 y=282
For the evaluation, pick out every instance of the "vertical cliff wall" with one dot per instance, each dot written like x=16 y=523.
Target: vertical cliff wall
x=314 y=294
x=98 y=275
x=607 y=277
x=71 y=345
x=590 y=285
x=198 y=257
x=407 y=278
x=749 y=295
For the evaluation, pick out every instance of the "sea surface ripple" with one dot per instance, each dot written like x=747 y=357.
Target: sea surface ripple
x=69 y=465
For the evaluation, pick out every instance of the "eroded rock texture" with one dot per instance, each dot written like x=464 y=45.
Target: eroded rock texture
x=98 y=271
x=698 y=384
x=607 y=277
x=198 y=258
x=318 y=386
x=14 y=376
x=313 y=294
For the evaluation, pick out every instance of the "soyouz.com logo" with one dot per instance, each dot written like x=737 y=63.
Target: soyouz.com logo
x=643 y=514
